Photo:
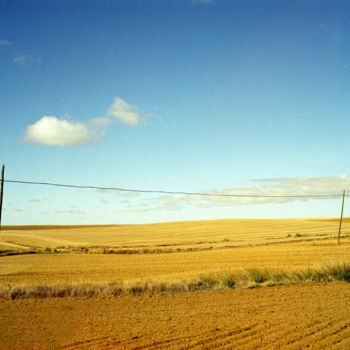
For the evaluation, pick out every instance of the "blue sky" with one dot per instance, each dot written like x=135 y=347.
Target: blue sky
x=216 y=96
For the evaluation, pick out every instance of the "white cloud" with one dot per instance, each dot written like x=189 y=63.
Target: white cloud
x=50 y=130
x=303 y=186
x=321 y=186
x=124 y=112
x=24 y=59
x=65 y=132
x=5 y=43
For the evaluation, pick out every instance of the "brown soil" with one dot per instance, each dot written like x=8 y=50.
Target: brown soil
x=290 y=317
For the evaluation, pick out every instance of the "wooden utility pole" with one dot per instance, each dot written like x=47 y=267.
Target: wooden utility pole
x=341 y=217
x=1 y=190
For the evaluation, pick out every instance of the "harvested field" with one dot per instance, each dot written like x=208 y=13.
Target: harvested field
x=191 y=234
x=46 y=269
x=288 y=317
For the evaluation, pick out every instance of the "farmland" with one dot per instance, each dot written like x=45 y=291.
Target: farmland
x=129 y=255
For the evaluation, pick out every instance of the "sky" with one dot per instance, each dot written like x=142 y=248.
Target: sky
x=217 y=96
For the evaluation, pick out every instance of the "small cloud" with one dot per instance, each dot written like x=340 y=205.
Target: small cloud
x=52 y=131
x=25 y=59
x=18 y=210
x=35 y=200
x=124 y=112
x=5 y=43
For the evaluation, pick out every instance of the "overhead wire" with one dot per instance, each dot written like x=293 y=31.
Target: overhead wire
x=238 y=195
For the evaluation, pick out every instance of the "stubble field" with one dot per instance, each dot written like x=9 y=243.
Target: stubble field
x=292 y=315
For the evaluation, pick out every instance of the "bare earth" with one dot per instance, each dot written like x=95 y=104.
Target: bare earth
x=290 y=317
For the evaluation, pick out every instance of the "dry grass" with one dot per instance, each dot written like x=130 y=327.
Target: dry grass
x=270 y=277
x=248 y=278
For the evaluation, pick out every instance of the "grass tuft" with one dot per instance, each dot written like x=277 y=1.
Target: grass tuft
x=228 y=279
x=257 y=275
x=209 y=280
x=340 y=272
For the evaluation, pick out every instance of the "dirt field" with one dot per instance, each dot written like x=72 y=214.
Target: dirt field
x=290 y=317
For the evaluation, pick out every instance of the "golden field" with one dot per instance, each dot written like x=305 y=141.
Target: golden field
x=168 y=251
x=216 y=233
x=292 y=316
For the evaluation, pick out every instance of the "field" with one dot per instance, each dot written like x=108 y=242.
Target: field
x=155 y=265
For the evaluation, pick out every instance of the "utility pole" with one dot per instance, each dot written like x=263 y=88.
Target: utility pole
x=341 y=217
x=1 y=190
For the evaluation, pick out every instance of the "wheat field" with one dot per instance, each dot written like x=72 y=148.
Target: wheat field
x=166 y=252
x=236 y=232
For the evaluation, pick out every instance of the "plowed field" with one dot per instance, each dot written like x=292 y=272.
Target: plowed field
x=290 y=317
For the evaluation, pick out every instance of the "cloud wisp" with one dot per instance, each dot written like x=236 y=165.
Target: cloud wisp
x=262 y=193
x=124 y=112
x=25 y=59
x=64 y=132
x=5 y=43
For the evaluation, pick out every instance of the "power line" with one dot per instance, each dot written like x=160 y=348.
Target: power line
x=174 y=192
